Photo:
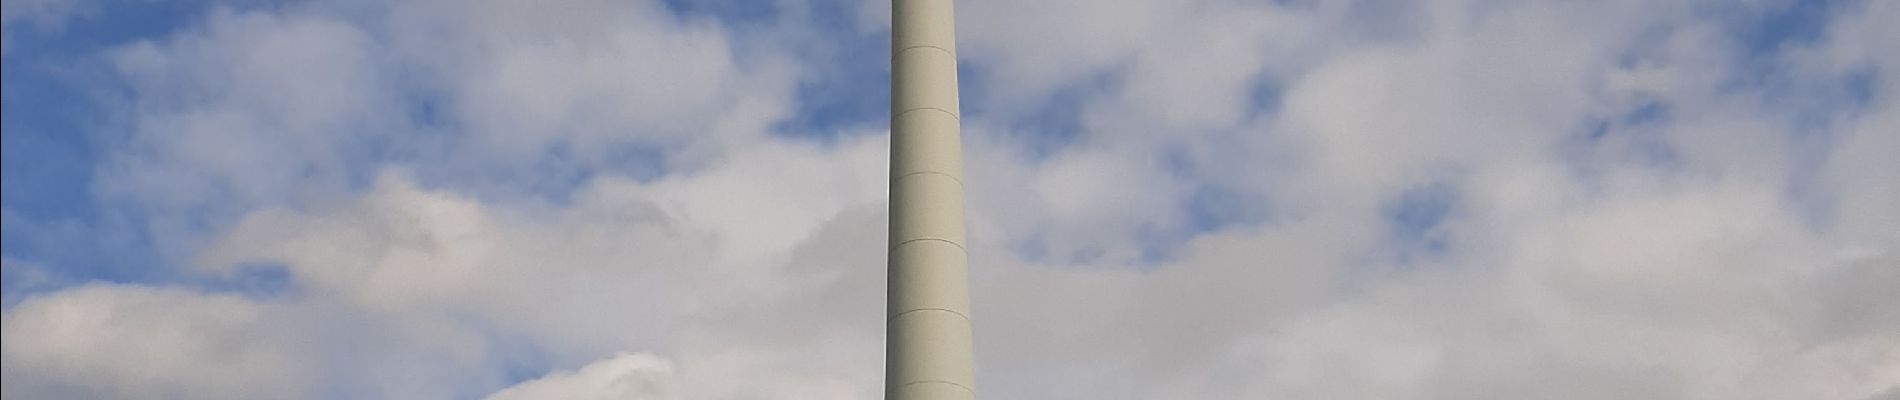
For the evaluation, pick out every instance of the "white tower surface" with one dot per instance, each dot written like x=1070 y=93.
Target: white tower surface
x=928 y=354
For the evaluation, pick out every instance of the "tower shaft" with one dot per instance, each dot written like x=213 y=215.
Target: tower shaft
x=928 y=354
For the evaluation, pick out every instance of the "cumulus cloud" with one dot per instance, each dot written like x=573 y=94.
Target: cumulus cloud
x=1320 y=199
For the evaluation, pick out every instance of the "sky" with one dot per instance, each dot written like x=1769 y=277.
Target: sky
x=1204 y=199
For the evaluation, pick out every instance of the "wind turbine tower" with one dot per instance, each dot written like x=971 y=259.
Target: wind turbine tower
x=928 y=342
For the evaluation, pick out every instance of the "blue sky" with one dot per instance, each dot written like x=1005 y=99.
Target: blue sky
x=1313 y=199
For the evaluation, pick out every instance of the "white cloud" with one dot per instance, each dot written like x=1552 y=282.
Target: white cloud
x=120 y=341
x=625 y=376
x=1720 y=250
x=245 y=110
x=585 y=77
x=669 y=250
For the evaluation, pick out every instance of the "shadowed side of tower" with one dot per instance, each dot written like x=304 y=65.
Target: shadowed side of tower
x=928 y=342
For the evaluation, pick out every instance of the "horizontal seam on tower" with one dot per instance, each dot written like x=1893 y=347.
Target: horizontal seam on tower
x=966 y=318
x=900 y=114
x=965 y=388
x=953 y=55
x=959 y=245
x=945 y=174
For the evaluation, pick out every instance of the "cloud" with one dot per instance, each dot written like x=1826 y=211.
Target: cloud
x=1437 y=200
x=247 y=109
x=124 y=341
x=625 y=376
x=666 y=250
x=586 y=78
x=45 y=13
